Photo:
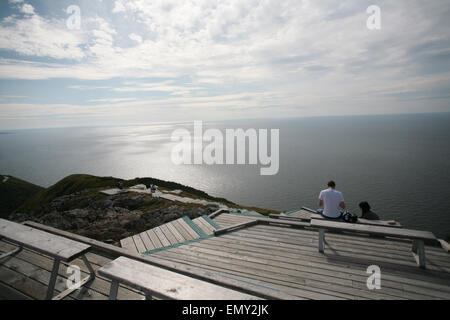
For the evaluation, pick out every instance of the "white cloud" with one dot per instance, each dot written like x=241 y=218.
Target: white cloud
x=118 y=7
x=315 y=54
x=36 y=36
x=135 y=37
x=27 y=9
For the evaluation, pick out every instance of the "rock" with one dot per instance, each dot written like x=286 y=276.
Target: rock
x=110 y=218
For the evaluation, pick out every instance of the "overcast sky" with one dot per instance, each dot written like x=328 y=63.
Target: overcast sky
x=141 y=61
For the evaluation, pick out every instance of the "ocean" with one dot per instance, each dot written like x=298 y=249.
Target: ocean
x=400 y=164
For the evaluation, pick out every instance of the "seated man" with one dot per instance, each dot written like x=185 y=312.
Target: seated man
x=366 y=213
x=331 y=200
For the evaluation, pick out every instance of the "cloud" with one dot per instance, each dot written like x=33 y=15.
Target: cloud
x=27 y=9
x=317 y=56
x=135 y=37
x=33 y=35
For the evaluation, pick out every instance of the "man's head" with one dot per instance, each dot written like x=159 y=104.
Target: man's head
x=331 y=184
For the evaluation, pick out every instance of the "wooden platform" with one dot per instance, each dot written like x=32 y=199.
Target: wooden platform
x=26 y=275
x=270 y=257
x=169 y=234
x=287 y=259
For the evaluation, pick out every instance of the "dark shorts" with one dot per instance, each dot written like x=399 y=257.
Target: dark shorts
x=320 y=211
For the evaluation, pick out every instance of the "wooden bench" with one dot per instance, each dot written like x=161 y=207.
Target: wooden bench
x=57 y=247
x=418 y=237
x=380 y=223
x=164 y=284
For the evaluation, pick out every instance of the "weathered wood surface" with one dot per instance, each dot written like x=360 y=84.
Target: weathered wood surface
x=275 y=257
x=188 y=228
x=147 y=241
x=303 y=215
x=167 y=284
x=375 y=230
x=155 y=240
x=445 y=245
x=55 y=246
x=175 y=232
x=165 y=242
x=235 y=227
x=182 y=268
x=128 y=243
x=29 y=272
x=207 y=228
x=257 y=253
x=312 y=214
x=186 y=235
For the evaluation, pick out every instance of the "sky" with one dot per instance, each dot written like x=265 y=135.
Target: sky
x=93 y=62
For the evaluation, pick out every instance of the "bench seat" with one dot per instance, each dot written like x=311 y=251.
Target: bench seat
x=164 y=284
x=418 y=237
x=57 y=247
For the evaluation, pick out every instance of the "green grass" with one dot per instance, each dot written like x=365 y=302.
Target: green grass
x=13 y=193
x=68 y=185
x=81 y=182
x=92 y=185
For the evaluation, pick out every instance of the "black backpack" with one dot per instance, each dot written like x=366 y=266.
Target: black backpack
x=349 y=217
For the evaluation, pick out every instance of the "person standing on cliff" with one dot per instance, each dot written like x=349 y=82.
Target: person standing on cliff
x=332 y=202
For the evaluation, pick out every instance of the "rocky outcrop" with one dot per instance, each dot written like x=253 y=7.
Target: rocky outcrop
x=110 y=218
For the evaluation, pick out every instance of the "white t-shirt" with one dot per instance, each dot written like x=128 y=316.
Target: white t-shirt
x=331 y=199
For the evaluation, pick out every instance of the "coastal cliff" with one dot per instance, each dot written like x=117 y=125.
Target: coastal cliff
x=76 y=204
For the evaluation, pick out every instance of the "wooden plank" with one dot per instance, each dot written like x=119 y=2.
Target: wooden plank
x=363 y=251
x=139 y=243
x=22 y=283
x=292 y=275
x=35 y=265
x=161 y=237
x=384 y=231
x=217 y=213
x=200 y=222
x=360 y=240
x=207 y=222
x=168 y=234
x=167 y=284
x=155 y=240
x=292 y=260
x=349 y=238
x=235 y=227
x=386 y=223
x=298 y=291
x=257 y=270
x=175 y=232
x=444 y=245
x=186 y=227
x=55 y=246
x=182 y=230
x=362 y=244
x=128 y=243
x=234 y=218
x=393 y=289
x=198 y=273
x=9 y=293
x=347 y=253
x=147 y=241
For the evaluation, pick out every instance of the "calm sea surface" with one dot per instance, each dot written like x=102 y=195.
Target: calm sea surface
x=399 y=164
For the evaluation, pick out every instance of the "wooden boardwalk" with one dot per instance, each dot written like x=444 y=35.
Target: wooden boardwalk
x=169 y=234
x=287 y=259
x=270 y=257
x=26 y=275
